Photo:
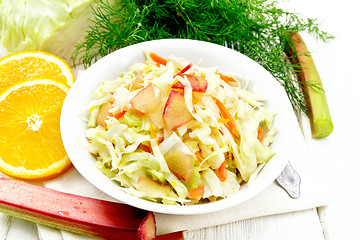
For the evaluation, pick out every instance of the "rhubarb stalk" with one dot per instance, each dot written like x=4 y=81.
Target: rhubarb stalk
x=308 y=76
x=87 y=216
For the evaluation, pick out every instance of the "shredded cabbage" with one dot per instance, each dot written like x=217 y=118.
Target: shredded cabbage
x=198 y=160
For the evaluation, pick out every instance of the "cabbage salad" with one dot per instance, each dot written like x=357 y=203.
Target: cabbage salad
x=176 y=133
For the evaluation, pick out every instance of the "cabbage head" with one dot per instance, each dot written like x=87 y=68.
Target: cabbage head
x=54 y=26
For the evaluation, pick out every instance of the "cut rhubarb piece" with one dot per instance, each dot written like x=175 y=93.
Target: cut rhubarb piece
x=147 y=228
x=198 y=84
x=153 y=188
x=318 y=109
x=176 y=113
x=180 y=164
x=146 y=100
x=82 y=215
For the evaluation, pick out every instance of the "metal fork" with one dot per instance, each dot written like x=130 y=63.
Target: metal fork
x=290 y=180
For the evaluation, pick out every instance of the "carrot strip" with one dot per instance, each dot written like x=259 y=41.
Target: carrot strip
x=260 y=134
x=222 y=172
x=231 y=125
x=118 y=114
x=226 y=78
x=199 y=157
x=196 y=193
x=156 y=58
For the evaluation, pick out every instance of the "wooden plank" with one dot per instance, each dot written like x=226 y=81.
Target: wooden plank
x=46 y=232
x=297 y=225
x=5 y=221
x=22 y=229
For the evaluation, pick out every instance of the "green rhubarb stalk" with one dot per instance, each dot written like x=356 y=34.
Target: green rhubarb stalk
x=314 y=93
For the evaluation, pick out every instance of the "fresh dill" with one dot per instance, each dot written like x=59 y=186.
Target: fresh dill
x=256 y=28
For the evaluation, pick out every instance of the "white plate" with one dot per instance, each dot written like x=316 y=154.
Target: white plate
x=74 y=112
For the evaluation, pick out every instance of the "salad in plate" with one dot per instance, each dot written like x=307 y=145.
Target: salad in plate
x=173 y=132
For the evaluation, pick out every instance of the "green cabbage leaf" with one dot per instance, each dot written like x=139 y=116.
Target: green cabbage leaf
x=53 y=26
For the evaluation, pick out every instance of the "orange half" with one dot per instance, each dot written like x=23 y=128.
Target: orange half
x=30 y=141
x=27 y=65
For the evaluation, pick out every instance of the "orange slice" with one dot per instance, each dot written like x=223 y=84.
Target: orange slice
x=30 y=142
x=27 y=65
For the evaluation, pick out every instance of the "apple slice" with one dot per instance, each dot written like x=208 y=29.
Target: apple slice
x=179 y=164
x=103 y=114
x=176 y=113
x=87 y=216
x=184 y=70
x=157 y=115
x=153 y=188
x=146 y=100
x=198 y=84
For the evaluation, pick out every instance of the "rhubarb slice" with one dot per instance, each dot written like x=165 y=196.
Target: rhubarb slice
x=87 y=216
x=308 y=76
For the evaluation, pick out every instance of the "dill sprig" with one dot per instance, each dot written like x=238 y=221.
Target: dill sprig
x=255 y=28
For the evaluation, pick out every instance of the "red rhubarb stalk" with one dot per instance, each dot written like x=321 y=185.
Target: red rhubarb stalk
x=87 y=216
x=171 y=236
